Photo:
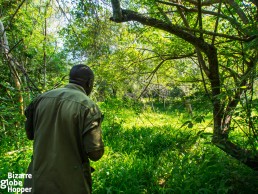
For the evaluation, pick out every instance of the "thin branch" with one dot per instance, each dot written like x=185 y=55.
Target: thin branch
x=76 y=35
x=10 y=50
x=233 y=21
x=16 y=11
x=173 y=4
x=204 y=3
x=183 y=17
x=164 y=15
x=217 y=23
x=204 y=68
x=24 y=72
x=201 y=64
x=238 y=10
x=179 y=31
x=234 y=74
x=248 y=39
x=179 y=57
x=199 y=6
x=151 y=77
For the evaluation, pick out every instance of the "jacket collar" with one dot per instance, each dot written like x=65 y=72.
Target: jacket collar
x=75 y=87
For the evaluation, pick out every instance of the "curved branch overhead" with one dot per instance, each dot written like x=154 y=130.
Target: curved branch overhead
x=120 y=15
x=200 y=37
x=128 y=15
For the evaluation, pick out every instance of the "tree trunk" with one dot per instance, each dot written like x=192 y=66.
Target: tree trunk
x=12 y=67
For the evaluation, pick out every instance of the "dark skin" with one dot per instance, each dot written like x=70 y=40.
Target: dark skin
x=88 y=86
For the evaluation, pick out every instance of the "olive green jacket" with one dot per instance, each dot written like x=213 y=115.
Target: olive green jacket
x=59 y=121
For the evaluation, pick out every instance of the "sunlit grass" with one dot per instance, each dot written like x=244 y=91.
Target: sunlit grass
x=160 y=150
x=152 y=151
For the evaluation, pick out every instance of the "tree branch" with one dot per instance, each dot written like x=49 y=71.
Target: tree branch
x=199 y=6
x=201 y=62
x=129 y=15
x=16 y=11
x=204 y=3
x=217 y=22
x=248 y=39
x=164 y=15
x=151 y=77
x=117 y=11
x=233 y=21
x=238 y=10
x=11 y=49
x=237 y=152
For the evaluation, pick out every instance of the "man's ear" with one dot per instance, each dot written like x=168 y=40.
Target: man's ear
x=89 y=86
x=90 y=82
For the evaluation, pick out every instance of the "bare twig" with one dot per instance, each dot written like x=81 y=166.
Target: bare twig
x=151 y=77
x=199 y=6
x=216 y=24
x=232 y=20
x=238 y=10
x=10 y=50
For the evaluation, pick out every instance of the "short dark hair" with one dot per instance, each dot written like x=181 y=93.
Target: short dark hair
x=80 y=74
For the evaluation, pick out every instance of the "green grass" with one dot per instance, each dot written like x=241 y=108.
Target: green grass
x=151 y=151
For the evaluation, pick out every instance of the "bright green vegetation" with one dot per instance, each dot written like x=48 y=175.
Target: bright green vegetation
x=204 y=52
x=150 y=151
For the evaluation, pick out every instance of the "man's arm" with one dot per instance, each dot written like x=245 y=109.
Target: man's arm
x=92 y=142
x=29 y=122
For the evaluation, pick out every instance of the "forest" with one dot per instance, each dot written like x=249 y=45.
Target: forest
x=176 y=80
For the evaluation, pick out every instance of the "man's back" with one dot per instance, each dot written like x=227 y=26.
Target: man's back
x=60 y=118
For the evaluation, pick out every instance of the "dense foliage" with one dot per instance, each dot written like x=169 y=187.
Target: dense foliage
x=165 y=96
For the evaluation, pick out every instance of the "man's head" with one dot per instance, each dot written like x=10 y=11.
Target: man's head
x=83 y=76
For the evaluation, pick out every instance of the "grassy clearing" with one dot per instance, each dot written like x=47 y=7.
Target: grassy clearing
x=150 y=151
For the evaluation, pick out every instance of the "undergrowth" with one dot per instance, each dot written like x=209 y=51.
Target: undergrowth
x=149 y=150
x=152 y=151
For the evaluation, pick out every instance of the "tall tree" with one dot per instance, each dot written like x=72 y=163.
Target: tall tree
x=24 y=48
x=223 y=34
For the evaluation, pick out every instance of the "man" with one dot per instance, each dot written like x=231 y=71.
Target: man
x=66 y=128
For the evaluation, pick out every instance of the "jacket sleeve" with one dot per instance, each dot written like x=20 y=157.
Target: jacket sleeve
x=93 y=144
x=29 y=122
x=92 y=135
